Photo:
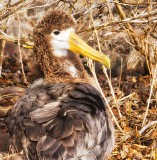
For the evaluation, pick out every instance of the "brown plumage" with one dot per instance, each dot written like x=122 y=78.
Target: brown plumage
x=61 y=117
x=53 y=66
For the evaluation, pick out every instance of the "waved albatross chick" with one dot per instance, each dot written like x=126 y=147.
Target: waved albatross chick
x=61 y=117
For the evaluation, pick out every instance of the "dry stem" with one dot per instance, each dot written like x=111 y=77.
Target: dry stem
x=147 y=126
x=92 y=68
x=151 y=90
x=22 y=4
x=22 y=66
x=1 y=54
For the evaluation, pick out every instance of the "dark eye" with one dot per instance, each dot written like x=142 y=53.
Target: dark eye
x=56 y=32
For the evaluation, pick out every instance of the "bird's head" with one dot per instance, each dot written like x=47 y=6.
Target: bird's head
x=59 y=27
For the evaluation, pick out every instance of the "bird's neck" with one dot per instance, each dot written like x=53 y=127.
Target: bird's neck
x=67 y=68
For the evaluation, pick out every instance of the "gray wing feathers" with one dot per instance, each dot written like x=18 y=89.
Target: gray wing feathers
x=59 y=121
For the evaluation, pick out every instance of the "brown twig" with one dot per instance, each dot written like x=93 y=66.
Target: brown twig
x=80 y=13
x=21 y=61
x=134 y=36
x=2 y=54
x=147 y=49
x=108 y=6
x=11 y=90
x=92 y=68
x=147 y=126
x=23 y=42
x=151 y=91
x=132 y=3
x=124 y=21
x=15 y=9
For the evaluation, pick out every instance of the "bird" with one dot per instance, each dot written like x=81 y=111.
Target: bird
x=61 y=116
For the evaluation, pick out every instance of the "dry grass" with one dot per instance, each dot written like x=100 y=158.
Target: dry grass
x=107 y=26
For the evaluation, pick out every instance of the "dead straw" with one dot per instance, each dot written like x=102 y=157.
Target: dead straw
x=92 y=68
x=21 y=61
x=151 y=91
x=1 y=55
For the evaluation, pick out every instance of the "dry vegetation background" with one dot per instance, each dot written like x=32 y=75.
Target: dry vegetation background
x=125 y=30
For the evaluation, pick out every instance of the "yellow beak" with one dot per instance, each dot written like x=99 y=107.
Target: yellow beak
x=77 y=45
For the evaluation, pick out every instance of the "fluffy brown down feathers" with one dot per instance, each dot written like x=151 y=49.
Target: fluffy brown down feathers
x=51 y=65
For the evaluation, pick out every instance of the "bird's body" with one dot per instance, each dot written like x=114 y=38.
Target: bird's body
x=60 y=117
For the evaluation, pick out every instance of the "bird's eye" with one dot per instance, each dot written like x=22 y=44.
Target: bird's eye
x=56 y=32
